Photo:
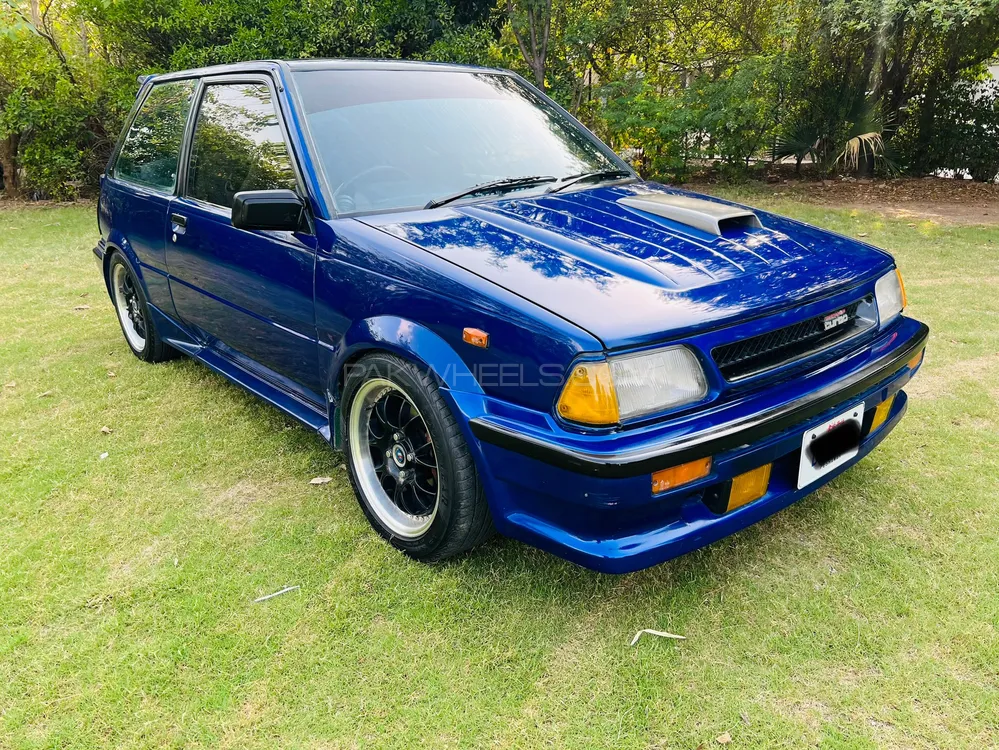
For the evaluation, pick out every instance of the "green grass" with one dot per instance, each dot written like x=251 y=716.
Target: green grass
x=864 y=616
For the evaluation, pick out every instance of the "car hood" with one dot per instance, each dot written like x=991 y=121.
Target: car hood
x=630 y=277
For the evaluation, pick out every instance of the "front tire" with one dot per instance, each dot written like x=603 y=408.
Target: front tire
x=408 y=463
x=133 y=314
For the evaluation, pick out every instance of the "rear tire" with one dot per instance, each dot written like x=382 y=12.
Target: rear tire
x=133 y=314
x=408 y=462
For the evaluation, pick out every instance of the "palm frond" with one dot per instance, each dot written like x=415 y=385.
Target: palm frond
x=799 y=140
x=870 y=144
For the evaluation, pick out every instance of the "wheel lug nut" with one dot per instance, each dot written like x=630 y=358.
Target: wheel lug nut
x=388 y=454
x=402 y=475
x=410 y=457
x=397 y=436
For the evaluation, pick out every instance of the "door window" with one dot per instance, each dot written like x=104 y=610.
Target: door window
x=151 y=148
x=237 y=145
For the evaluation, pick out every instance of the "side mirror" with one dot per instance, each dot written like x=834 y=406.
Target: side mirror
x=276 y=210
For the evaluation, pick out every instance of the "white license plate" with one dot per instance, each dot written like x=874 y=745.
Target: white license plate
x=821 y=451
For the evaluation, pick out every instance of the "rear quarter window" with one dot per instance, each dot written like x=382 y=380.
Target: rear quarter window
x=150 y=151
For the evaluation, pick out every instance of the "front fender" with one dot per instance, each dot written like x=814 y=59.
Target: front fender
x=406 y=339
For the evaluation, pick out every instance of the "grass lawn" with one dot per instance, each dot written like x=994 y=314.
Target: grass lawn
x=864 y=616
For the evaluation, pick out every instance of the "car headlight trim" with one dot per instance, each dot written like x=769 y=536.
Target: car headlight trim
x=624 y=387
x=889 y=292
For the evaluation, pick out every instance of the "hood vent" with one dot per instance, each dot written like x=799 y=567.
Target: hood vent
x=708 y=216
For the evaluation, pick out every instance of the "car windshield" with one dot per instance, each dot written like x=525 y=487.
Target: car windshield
x=398 y=139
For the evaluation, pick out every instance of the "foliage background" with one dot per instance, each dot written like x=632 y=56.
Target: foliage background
x=678 y=86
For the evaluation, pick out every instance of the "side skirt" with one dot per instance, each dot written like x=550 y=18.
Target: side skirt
x=305 y=413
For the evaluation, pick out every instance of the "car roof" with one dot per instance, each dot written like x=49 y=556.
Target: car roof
x=321 y=64
x=362 y=64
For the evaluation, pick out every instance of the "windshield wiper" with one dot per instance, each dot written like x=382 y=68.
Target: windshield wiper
x=603 y=174
x=505 y=185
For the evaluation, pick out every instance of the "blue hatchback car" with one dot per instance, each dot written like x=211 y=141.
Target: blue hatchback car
x=449 y=278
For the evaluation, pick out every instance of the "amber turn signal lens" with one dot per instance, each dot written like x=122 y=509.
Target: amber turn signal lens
x=882 y=412
x=915 y=361
x=901 y=285
x=674 y=476
x=588 y=396
x=475 y=337
x=749 y=486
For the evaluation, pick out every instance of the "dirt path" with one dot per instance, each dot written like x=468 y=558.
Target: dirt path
x=941 y=200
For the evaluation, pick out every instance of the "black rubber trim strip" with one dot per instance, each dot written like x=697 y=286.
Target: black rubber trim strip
x=709 y=442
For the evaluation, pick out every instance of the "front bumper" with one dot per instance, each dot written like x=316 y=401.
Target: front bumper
x=588 y=497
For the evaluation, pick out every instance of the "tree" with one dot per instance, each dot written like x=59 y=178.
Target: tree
x=531 y=23
x=680 y=83
x=904 y=50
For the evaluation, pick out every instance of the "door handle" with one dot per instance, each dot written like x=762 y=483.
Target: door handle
x=178 y=225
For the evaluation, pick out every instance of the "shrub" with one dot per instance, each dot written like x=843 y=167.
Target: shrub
x=958 y=129
x=734 y=111
x=659 y=128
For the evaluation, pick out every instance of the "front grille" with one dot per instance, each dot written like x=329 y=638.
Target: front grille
x=757 y=354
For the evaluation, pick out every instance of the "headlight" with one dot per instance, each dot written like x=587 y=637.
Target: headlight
x=620 y=388
x=889 y=291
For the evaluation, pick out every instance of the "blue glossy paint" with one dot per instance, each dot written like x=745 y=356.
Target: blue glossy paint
x=250 y=291
x=597 y=521
x=631 y=278
x=552 y=278
x=137 y=231
x=633 y=539
x=375 y=275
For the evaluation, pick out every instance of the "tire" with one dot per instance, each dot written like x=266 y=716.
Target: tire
x=136 y=323
x=395 y=416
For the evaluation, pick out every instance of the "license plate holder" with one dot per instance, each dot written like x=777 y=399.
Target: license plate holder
x=830 y=445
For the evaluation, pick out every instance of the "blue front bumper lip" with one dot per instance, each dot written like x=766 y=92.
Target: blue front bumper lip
x=694 y=526
x=708 y=442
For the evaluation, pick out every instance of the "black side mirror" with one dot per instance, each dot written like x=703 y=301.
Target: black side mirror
x=277 y=210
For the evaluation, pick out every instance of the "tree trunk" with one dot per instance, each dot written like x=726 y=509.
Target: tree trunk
x=927 y=114
x=865 y=163
x=8 y=159
x=532 y=40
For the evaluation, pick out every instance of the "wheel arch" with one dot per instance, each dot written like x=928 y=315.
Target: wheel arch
x=403 y=338
x=120 y=245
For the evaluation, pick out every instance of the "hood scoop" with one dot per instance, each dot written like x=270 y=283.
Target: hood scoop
x=708 y=216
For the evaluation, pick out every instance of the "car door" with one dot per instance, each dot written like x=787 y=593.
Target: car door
x=139 y=186
x=248 y=294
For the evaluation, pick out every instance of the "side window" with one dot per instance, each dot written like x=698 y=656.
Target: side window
x=151 y=149
x=237 y=145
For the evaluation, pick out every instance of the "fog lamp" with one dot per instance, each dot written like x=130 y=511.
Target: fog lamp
x=882 y=412
x=749 y=486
